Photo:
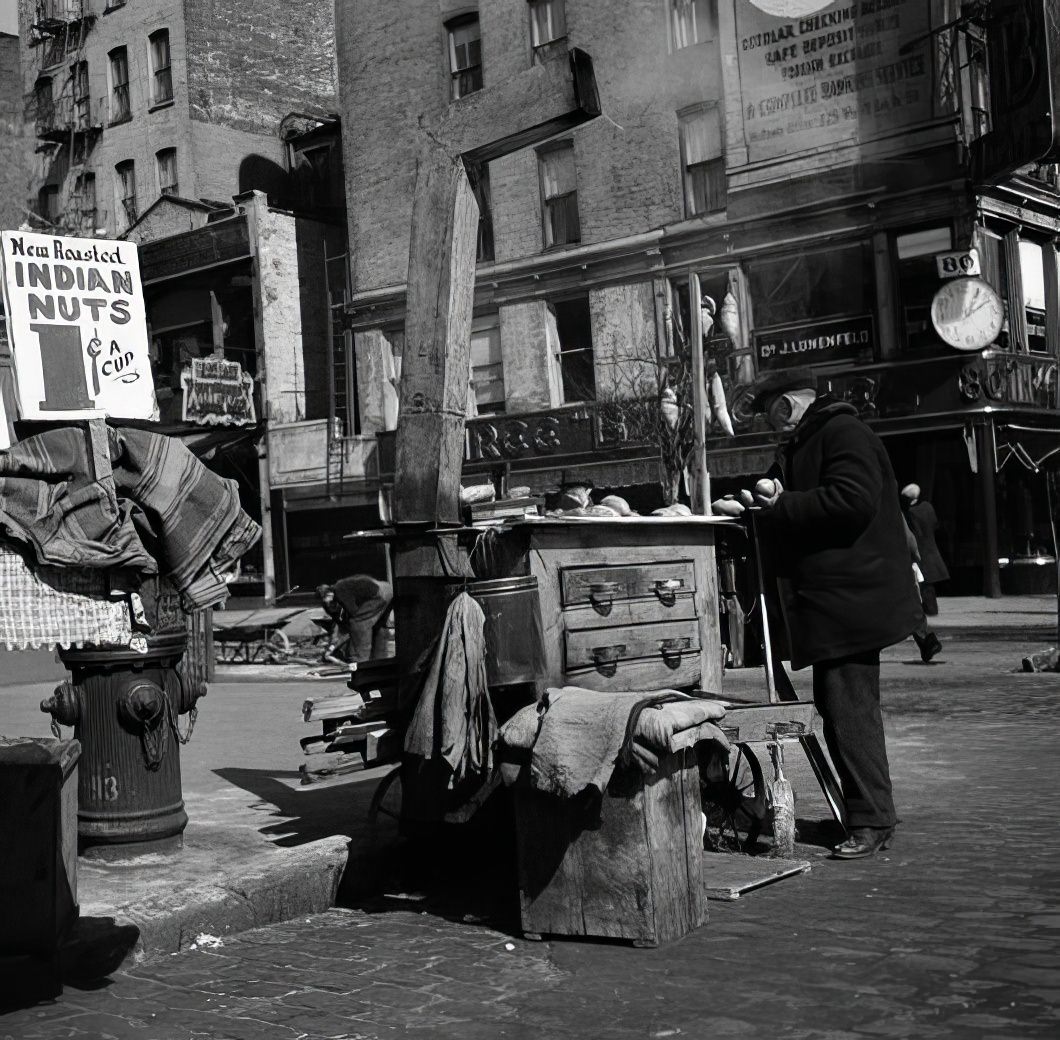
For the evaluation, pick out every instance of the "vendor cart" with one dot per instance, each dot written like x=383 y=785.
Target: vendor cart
x=254 y=636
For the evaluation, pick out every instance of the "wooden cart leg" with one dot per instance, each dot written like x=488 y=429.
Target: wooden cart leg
x=822 y=769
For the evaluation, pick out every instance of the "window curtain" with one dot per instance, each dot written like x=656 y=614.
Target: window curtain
x=701 y=136
x=557 y=172
x=547 y=21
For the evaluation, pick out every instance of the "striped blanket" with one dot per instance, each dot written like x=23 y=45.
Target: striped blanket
x=171 y=515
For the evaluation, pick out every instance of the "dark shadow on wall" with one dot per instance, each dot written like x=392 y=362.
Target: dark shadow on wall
x=256 y=173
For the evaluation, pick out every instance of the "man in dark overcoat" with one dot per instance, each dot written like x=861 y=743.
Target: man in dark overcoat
x=924 y=522
x=834 y=528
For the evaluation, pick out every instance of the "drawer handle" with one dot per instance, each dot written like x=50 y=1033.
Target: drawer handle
x=672 y=649
x=606 y=658
x=666 y=590
x=602 y=596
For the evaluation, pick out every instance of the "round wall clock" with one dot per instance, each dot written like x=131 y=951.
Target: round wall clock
x=967 y=313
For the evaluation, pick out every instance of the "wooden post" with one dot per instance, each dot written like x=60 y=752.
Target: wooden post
x=437 y=361
x=699 y=404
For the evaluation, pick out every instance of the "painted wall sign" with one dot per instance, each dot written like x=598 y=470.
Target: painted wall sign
x=957 y=265
x=832 y=75
x=217 y=393
x=75 y=313
x=814 y=343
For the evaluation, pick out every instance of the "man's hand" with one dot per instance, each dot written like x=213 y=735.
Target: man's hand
x=767 y=492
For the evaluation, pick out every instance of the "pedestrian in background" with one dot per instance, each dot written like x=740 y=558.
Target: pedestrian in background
x=923 y=522
x=925 y=638
x=357 y=606
x=832 y=520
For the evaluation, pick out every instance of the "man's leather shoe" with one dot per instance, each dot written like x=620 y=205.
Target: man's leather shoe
x=930 y=647
x=864 y=841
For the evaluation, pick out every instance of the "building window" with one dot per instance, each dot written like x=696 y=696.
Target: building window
x=45 y=105
x=48 y=203
x=82 y=96
x=161 y=76
x=487 y=368
x=85 y=194
x=570 y=337
x=702 y=158
x=480 y=184
x=692 y=22
x=806 y=287
x=126 y=172
x=918 y=281
x=465 y=56
x=548 y=29
x=559 y=194
x=1032 y=279
x=120 y=109
x=166 y=161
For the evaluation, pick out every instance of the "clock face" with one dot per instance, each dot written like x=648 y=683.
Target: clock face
x=967 y=313
x=791 y=8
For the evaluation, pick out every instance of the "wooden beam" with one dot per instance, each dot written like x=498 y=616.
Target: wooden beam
x=436 y=365
x=522 y=111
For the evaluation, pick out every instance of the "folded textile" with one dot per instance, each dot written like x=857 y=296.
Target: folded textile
x=582 y=732
x=576 y=737
x=56 y=606
x=454 y=717
x=655 y=728
x=171 y=514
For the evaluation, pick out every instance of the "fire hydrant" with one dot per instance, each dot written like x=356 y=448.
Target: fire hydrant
x=124 y=707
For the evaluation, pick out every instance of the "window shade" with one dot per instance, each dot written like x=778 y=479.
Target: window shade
x=701 y=136
x=558 y=173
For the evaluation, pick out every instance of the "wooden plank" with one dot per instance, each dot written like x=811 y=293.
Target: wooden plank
x=637 y=641
x=727 y=876
x=748 y=723
x=636 y=579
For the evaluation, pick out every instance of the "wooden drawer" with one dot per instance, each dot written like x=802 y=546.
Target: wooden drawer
x=600 y=647
x=630 y=612
x=648 y=673
x=630 y=581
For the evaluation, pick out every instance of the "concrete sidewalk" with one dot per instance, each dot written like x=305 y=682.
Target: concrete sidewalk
x=258 y=848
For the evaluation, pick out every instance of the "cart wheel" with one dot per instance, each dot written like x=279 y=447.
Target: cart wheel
x=387 y=799
x=734 y=799
x=277 y=648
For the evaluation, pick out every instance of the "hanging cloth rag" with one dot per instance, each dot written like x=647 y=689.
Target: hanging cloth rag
x=454 y=717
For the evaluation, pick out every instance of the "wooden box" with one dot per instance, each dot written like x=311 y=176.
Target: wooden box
x=624 y=866
x=38 y=858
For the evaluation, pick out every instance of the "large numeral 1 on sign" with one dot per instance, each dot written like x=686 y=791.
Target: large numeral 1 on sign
x=62 y=359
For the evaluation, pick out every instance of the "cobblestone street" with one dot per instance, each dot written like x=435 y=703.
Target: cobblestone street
x=955 y=932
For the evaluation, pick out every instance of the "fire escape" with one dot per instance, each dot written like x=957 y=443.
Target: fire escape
x=66 y=120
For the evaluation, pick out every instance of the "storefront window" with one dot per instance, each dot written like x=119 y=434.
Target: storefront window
x=1032 y=275
x=992 y=264
x=811 y=286
x=918 y=281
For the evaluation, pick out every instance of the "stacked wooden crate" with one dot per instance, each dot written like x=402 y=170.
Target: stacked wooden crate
x=356 y=729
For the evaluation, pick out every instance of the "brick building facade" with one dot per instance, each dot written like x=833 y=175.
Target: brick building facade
x=184 y=97
x=806 y=163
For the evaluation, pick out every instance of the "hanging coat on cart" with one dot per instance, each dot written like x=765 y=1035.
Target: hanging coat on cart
x=839 y=541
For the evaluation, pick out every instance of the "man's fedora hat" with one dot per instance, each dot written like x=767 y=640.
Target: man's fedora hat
x=782 y=381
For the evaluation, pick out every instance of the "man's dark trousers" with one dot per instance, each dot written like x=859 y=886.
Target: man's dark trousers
x=846 y=692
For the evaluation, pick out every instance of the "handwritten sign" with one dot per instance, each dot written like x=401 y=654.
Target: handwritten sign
x=815 y=343
x=78 y=330
x=217 y=393
x=830 y=77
